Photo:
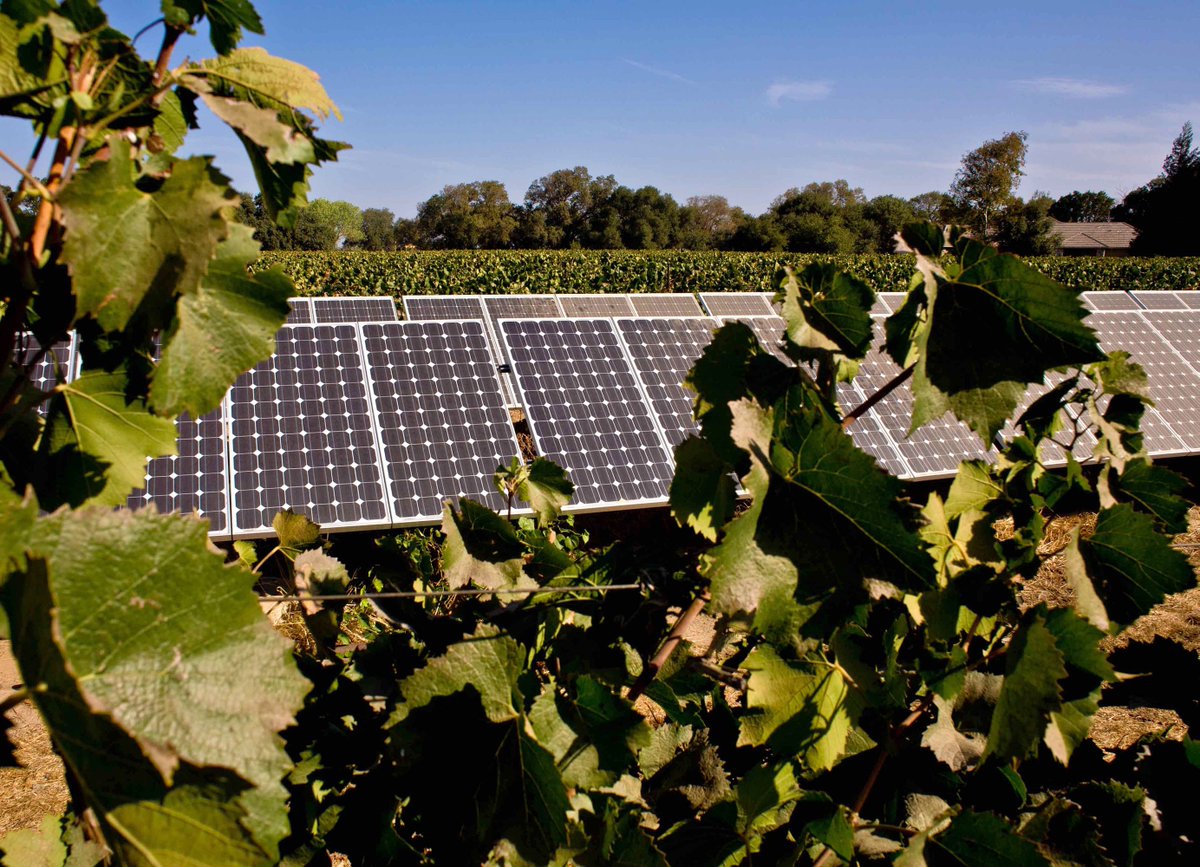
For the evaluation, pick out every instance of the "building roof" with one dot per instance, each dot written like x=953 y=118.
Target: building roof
x=1092 y=236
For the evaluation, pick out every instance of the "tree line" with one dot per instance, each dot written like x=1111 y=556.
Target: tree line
x=573 y=209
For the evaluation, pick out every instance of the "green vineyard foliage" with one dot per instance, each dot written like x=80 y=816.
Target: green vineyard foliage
x=509 y=690
x=457 y=272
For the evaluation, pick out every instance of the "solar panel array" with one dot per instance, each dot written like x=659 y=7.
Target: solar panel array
x=442 y=418
x=367 y=422
x=587 y=411
x=342 y=309
x=49 y=368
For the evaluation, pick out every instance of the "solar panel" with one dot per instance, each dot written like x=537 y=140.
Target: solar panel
x=890 y=302
x=302 y=435
x=300 y=312
x=443 y=307
x=768 y=330
x=597 y=304
x=443 y=422
x=935 y=449
x=1190 y=299
x=1159 y=300
x=347 y=309
x=665 y=304
x=521 y=307
x=52 y=367
x=663 y=350
x=195 y=480
x=737 y=304
x=1172 y=426
x=1110 y=301
x=587 y=412
x=868 y=433
x=1180 y=401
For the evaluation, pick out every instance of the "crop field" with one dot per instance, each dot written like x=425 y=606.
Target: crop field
x=452 y=272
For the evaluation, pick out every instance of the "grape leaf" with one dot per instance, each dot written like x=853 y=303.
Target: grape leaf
x=545 y=487
x=990 y=330
x=764 y=798
x=702 y=490
x=481 y=548
x=827 y=309
x=1156 y=491
x=295 y=531
x=592 y=734
x=29 y=847
x=981 y=840
x=223 y=328
x=131 y=241
x=822 y=511
x=98 y=444
x=226 y=18
x=254 y=75
x=141 y=690
x=279 y=142
x=797 y=711
x=1034 y=668
x=1131 y=565
x=488 y=662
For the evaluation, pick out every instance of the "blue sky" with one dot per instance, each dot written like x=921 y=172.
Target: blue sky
x=741 y=99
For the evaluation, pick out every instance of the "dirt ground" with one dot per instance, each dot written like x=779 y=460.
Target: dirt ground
x=36 y=788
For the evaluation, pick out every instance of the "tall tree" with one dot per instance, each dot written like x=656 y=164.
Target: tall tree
x=1024 y=227
x=377 y=229
x=327 y=225
x=935 y=206
x=1089 y=207
x=1166 y=211
x=988 y=178
x=472 y=216
x=707 y=222
x=887 y=215
x=565 y=200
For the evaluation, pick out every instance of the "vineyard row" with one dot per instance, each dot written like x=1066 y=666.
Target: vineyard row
x=452 y=272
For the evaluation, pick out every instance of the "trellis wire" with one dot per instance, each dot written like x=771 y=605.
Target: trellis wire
x=470 y=591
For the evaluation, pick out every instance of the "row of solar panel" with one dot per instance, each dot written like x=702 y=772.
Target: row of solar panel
x=374 y=425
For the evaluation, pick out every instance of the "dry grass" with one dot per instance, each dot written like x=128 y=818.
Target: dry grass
x=37 y=787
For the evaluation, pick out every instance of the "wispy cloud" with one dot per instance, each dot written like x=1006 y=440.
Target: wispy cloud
x=1075 y=88
x=654 y=70
x=798 y=91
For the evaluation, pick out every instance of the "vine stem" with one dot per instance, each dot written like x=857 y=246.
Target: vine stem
x=865 y=407
x=654 y=666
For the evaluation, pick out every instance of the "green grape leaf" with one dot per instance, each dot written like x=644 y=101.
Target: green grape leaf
x=171 y=123
x=991 y=330
x=226 y=19
x=140 y=688
x=1156 y=491
x=1131 y=565
x=1034 y=668
x=223 y=328
x=98 y=444
x=24 y=91
x=1119 y=811
x=295 y=531
x=316 y=572
x=29 y=847
x=253 y=75
x=247 y=553
x=821 y=509
x=765 y=797
x=952 y=747
x=827 y=309
x=702 y=490
x=132 y=242
x=488 y=662
x=593 y=735
x=481 y=548
x=797 y=711
x=279 y=142
x=546 y=488
x=981 y=840
x=615 y=836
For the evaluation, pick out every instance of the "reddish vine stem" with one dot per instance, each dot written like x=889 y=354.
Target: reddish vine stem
x=865 y=407
x=654 y=666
